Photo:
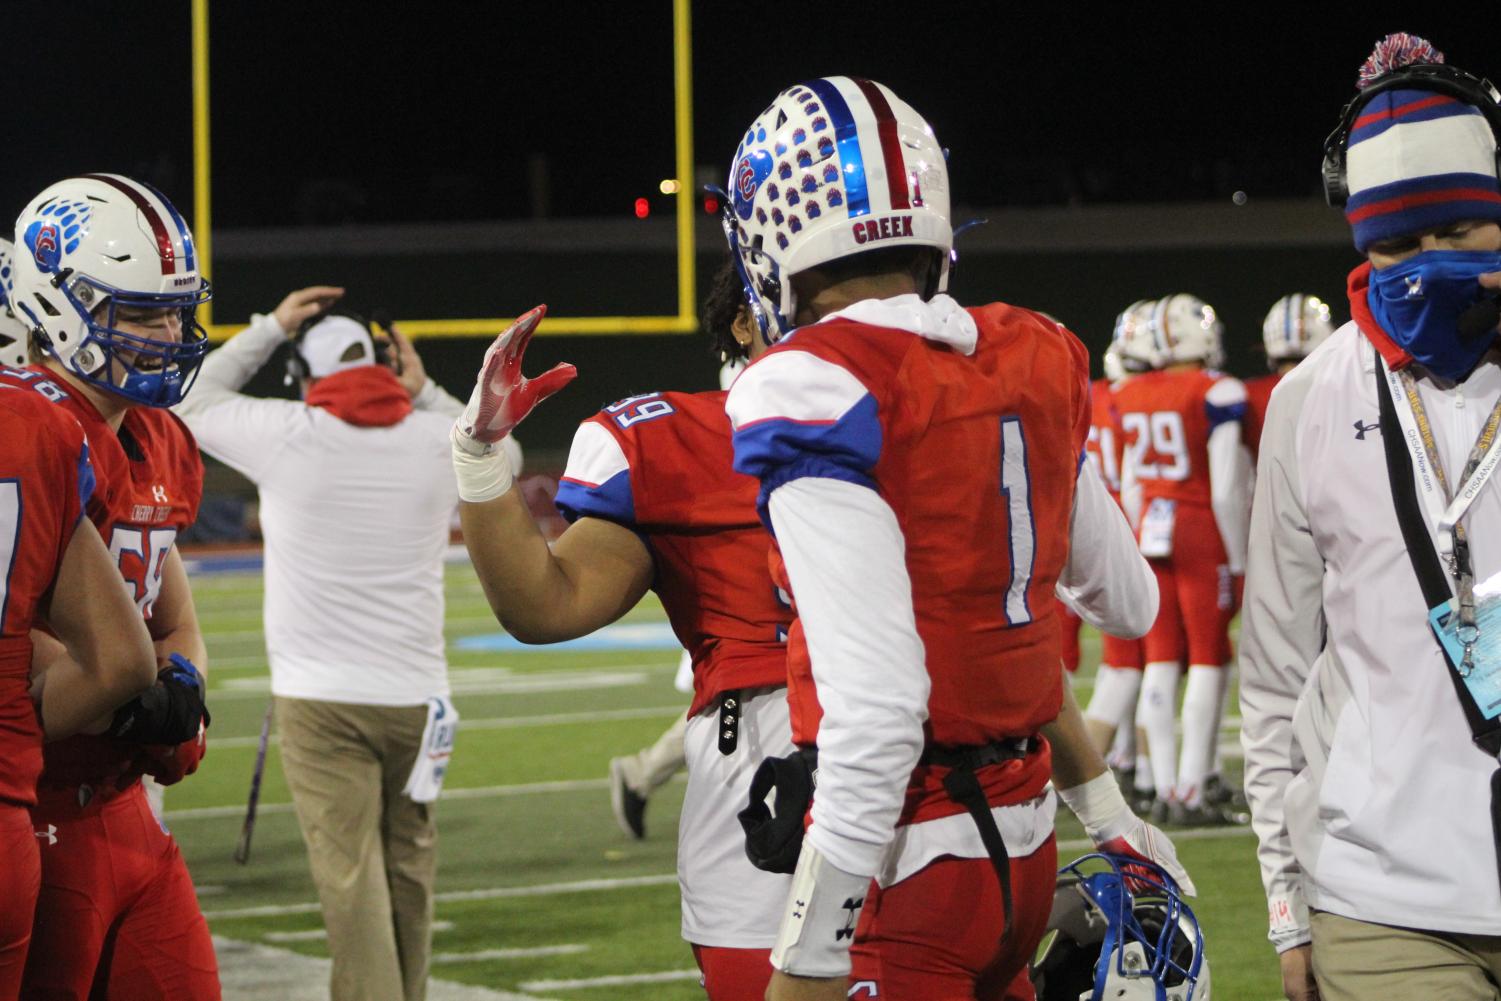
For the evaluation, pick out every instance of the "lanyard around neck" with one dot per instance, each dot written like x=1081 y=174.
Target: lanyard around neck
x=1448 y=507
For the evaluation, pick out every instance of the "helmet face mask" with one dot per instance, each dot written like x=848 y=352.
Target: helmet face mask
x=96 y=253
x=833 y=168
x=1120 y=931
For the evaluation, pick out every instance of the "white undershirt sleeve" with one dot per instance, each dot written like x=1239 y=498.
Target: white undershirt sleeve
x=1230 y=475
x=1107 y=582
x=846 y=560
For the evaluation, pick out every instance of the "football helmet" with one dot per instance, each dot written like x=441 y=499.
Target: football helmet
x=1132 y=339
x=1186 y=329
x=1111 y=361
x=1120 y=931
x=15 y=336
x=835 y=167
x=1294 y=326
x=90 y=245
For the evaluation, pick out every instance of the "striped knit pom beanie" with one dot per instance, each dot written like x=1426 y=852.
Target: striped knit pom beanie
x=1416 y=159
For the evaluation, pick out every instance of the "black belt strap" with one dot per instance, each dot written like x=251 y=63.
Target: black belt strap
x=963 y=787
x=1486 y=733
x=729 y=721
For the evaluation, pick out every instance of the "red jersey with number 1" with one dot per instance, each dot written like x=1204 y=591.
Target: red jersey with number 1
x=148 y=484
x=661 y=465
x=45 y=478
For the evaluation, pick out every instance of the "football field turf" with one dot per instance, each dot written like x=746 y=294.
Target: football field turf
x=540 y=895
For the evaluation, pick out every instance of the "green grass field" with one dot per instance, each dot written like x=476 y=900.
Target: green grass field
x=539 y=894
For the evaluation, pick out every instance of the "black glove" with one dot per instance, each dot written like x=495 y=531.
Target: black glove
x=169 y=712
x=773 y=843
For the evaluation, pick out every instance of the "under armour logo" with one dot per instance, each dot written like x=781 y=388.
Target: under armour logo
x=1414 y=286
x=50 y=834
x=160 y=493
x=865 y=989
x=1361 y=428
x=852 y=905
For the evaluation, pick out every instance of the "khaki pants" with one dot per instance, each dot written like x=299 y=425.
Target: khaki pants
x=1358 y=961
x=372 y=851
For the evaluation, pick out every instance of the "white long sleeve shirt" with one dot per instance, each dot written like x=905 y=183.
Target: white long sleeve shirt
x=356 y=523
x=1367 y=794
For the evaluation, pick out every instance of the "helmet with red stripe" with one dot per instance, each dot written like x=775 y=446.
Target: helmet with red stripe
x=1131 y=343
x=99 y=250
x=834 y=168
x=15 y=336
x=1294 y=326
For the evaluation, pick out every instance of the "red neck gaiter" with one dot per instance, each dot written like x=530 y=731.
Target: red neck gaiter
x=369 y=397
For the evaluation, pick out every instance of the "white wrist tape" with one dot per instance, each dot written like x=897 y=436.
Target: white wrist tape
x=1100 y=807
x=818 y=926
x=483 y=474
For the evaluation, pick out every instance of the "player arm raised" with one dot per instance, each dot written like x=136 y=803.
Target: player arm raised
x=597 y=570
x=105 y=656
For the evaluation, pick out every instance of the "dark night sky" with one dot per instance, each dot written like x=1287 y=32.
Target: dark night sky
x=379 y=112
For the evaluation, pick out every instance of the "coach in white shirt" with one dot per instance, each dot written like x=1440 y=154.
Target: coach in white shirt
x=1371 y=801
x=357 y=495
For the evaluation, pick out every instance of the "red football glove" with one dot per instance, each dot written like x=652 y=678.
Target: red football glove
x=502 y=396
x=171 y=763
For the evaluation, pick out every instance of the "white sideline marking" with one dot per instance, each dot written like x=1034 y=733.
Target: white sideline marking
x=453 y=896
x=319 y=934
x=480 y=681
x=249 y=971
x=477 y=792
x=510 y=722
x=619 y=980
x=484 y=955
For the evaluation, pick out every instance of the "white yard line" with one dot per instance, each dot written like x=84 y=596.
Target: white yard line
x=478 y=792
x=485 y=955
x=511 y=722
x=455 y=896
x=620 y=980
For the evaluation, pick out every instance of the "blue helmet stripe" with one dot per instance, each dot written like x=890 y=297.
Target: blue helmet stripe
x=847 y=138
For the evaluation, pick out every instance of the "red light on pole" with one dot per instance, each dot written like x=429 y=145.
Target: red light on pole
x=643 y=208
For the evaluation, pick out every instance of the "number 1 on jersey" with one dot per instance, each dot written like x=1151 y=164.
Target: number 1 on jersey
x=1016 y=487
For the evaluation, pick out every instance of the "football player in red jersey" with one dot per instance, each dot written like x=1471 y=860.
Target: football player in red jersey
x=1111 y=715
x=921 y=471
x=669 y=502
x=1188 y=474
x=1294 y=326
x=106 y=276
x=58 y=571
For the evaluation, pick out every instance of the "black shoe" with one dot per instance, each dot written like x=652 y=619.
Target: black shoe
x=1204 y=815
x=630 y=809
x=1217 y=792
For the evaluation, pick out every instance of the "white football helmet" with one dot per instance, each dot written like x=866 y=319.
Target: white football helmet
x=15 y=336
x=1186 y=329
x=1294 y=326
x=835 y=167
x=1120 y=931
x=1132 y=340
x=86 y=247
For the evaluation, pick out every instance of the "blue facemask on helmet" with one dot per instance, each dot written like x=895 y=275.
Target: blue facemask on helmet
x=1419 y=301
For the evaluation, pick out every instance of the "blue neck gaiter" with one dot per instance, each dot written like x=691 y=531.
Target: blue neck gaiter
x=1418 y=303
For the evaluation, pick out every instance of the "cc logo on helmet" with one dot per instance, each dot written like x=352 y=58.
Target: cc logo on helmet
x=45 y=244
x=752 y=169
